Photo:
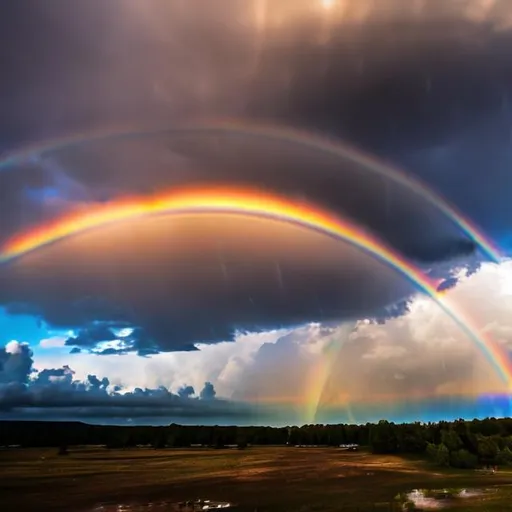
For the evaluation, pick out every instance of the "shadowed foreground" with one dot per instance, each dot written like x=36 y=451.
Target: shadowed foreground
x=270 y=478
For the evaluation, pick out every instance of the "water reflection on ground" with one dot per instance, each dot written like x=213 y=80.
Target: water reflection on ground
x=161 y=506
x=431 y=499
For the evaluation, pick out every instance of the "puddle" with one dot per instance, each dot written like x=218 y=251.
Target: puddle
x=435 y=499
x=161 y=506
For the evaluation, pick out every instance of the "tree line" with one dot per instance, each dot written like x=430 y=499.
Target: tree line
x=461 y=443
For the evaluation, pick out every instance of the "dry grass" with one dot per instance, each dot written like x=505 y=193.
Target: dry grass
x=271 y=478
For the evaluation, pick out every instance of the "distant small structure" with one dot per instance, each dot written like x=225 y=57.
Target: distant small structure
x=349 y=447
x=311 y=446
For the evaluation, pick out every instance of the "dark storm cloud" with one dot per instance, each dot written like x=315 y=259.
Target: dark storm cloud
x=394 y=310
x=91 y=336
x=186 y=391
x=394 y=85
x=176 y=300
x=208 y=392
x=55 y=392
x=447 y=284
x=97 y=402
x=429 y=91
x=15 y=363
x=111 y=351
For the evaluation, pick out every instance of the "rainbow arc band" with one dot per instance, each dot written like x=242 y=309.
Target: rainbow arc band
x=235 y=127
x=255 y=203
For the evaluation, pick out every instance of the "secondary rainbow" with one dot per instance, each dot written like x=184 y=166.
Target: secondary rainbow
x=249 y=202
x=282 y=133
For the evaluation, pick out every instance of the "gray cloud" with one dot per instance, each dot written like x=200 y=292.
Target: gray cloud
x=92 y=336
x=15 y=363
x=418 y=87
x=186 y=391
x=418 y=365
x=56 y=392
x=208 y=392
x=179 y=291
x=421 y=355
x=417 y=360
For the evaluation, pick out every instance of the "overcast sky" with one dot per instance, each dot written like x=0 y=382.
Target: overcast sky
x=215 y=318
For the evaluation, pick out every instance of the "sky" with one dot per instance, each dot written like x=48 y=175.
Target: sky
x=137 y=120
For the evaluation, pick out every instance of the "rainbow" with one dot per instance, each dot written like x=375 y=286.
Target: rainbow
x=280 y=133
x=319 y=379
x=259 y=204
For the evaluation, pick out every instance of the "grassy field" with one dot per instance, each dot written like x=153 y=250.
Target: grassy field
x=270 y=478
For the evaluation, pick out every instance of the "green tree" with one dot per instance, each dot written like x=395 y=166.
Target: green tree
x=438 y=454
x=383 y=437
x=241 y=439
x=487 y=449
x=293 y=437
x=451 y=440
x=160 y=440
x=411 y=439
x=463 y=459
x=490 y=427
x=504 y=457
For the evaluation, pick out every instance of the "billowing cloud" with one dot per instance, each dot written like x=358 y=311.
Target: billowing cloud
x=56 y=393
x=15 y=363
x=415 y=366
x=411 y=358
x=417 y=85
x=186 y=391
x=192 y=280
x=208 y=392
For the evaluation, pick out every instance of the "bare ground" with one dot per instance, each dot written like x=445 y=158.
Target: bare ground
x=262 y=478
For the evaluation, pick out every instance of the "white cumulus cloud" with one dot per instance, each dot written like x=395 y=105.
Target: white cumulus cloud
x=423 y=353
x=53 y=342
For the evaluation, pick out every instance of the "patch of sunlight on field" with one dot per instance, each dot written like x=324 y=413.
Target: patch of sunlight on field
x=267 y=478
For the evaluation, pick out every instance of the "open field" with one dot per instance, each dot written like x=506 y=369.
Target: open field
x=262 y=478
